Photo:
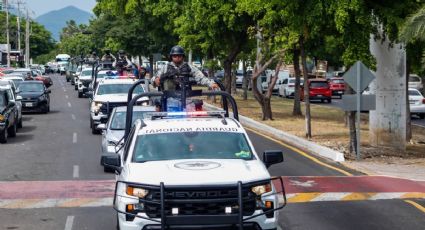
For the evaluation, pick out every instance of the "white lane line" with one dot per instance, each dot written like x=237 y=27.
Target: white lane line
x=74 y=138
x=73 y=116
x=76 y=172
x=69 y=104
x=66 y=96
x=69 y=222
x=64 y=89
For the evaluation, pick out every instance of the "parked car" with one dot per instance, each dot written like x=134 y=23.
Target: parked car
x=319 y=90
x=8 y=117
x=417 y=103
x=35 y=96
x=337 y=85
x=287 y=88
x=415 y=82
x=17 y=79
x=283 y=74
x=16 y=99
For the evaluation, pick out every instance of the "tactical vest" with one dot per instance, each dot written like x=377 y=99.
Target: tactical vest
x=171 y=84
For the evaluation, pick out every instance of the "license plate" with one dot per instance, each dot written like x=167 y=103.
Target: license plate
x=28 y=104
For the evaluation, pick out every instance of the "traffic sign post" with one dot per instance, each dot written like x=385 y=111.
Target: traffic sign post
x=358 y=77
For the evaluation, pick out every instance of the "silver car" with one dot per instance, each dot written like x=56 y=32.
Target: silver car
x=113 y=130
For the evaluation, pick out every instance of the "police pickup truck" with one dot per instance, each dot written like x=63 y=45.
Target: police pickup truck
x=109 y=93
x=194 y=170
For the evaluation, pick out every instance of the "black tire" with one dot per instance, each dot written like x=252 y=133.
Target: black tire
x=11 y=131
x=93 y=127
x=20 y=123
x=67 y=80
x=75 y=87
x=3 y=136
x=48 y=108
x=80 y=95
x=107 y=170
x=45 y=108
x=330 y=100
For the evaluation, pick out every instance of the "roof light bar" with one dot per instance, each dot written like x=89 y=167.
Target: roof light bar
x=187 y=114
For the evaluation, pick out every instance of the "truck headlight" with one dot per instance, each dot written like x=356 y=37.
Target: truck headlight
x=261 y=189
x=138 y=192
x=95 y=106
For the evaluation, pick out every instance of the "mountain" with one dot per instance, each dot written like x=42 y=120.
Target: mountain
x=55 y=20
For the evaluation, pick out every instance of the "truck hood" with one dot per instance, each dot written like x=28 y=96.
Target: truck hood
x=115 y=135
x=195 y=172
x=116 y=98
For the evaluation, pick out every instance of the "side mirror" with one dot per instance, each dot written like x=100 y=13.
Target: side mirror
x=11 y=104
x=112 y=162
x=101 y=126
x=271 y=157
x=19 y=98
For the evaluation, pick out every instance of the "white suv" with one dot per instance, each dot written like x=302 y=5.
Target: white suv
x=194 y=171
x=84 y=80
x=415 y=82
x=110 y=93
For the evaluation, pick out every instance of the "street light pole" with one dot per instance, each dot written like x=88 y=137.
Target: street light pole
x=27 y=41
x=7 y=33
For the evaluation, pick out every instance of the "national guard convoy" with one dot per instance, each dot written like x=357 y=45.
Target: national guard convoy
x=177 y=165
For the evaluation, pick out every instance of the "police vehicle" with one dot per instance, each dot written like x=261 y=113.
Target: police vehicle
x=113 y=130
x=84 y=80
x=110 y=93
x=193 y=170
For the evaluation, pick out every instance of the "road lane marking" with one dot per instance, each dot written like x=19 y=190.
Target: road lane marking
x=69 y=104
x=64 y=89
x=66 y=96
x=303 y=197
x=416 y=205
x=359 y=196
x=74 y=138
x=69 y=222
x=75 y=172
x=73 y=116
x=314 y=159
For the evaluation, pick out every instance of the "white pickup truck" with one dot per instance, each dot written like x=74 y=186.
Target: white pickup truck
x=194 y=170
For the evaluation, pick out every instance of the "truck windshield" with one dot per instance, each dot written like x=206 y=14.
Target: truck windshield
x=118 y=121
x=191 y=145
x=117 y=89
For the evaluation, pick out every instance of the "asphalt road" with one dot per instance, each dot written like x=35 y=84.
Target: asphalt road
x=59 y=146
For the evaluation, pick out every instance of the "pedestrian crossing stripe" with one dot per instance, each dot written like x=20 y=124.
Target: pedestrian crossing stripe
x=291 y=198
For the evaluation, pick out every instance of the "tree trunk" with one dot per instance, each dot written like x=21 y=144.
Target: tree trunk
x=233 y=81
x=244 y=82
x=351 y=117
x=297 y=104
x=228 y=75
x=306 y=90
x=408 y=118
x=151 y=66
x=266 y=109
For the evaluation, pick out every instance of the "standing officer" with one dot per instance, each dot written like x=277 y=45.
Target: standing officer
x=177 y=64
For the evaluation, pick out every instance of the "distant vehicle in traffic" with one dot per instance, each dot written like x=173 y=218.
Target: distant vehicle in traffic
x=337 y=85
x=319 y=89
x=415 y=82
x=287 y=88
x=35 y=96
x=417 y=103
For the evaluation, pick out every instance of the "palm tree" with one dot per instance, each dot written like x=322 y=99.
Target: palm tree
x=414 y=28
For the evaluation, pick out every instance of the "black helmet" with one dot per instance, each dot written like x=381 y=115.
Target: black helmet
x=177 y=50
x=94 y=53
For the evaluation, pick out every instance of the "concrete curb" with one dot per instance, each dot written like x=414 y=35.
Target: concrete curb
x=293 y=140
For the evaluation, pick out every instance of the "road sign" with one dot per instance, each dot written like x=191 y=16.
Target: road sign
x=351 y=76
x=349 y=102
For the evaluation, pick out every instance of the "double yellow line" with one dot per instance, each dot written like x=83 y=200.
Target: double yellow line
x=306 y=155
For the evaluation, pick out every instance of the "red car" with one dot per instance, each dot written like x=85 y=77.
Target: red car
x=47 y=81
x=319 y=90
x=337 y=86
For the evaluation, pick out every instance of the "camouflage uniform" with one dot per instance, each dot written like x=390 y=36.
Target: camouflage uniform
x=194 y=72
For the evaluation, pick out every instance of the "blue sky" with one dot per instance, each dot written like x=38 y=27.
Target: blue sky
x=43 y=6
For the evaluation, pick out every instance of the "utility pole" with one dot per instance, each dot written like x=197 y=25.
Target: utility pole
x=7 y=33
x=27 y=41
x=18 y=19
